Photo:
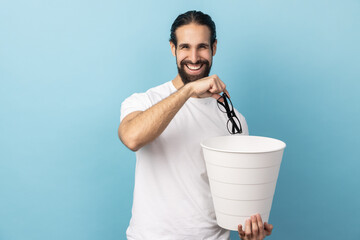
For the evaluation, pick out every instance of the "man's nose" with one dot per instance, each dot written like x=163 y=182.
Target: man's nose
x=194 y=56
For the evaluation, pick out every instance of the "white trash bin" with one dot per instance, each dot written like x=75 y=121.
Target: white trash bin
x=242 y=172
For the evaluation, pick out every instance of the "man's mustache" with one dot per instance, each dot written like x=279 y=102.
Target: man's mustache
x=184 y=62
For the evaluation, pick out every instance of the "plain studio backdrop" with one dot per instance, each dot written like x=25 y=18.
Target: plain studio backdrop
x=291 y=67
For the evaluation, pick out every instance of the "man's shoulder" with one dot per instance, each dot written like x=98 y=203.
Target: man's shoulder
x=152 y=95
x=163 y=89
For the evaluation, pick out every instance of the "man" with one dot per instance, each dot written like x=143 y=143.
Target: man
x=165 y=126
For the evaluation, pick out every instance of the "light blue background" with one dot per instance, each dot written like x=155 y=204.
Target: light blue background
x=292 y=68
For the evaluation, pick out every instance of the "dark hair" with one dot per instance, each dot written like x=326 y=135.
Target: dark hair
x=197 y=17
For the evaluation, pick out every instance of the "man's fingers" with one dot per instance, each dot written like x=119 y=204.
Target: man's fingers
x=268 y=228
x=215 y=87
x=227 y=93
x=259 y=220
x=248 y=228
x=219 y=86
x=223 y=86
x=216 y=77
x=260 y=224
x=254 y=225
x=210 y=86
x=216 y=96
x=241 y=232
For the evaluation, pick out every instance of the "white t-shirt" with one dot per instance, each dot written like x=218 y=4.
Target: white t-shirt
x=172 y=198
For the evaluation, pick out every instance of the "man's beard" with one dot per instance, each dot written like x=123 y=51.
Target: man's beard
x=187 y=78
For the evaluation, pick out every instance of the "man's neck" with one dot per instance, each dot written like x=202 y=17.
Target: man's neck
x=177 y=82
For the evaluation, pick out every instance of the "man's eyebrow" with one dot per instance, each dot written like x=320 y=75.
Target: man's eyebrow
x=183 y=44
x=204 y=45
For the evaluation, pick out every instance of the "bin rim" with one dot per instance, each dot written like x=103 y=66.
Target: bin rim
x=242 y=151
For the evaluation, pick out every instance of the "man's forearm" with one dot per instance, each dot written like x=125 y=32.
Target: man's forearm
x=148 y=125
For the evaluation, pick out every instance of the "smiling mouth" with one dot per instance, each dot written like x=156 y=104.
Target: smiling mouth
x=194 y=67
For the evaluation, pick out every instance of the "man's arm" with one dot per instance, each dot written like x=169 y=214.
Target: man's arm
x=141 y=127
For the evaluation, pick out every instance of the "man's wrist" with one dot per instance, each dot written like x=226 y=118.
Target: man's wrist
x=187 y=90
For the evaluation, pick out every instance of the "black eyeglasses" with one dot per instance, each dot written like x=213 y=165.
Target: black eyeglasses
x=233 y=124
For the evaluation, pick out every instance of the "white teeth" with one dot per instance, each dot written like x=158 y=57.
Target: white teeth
x=194 y=68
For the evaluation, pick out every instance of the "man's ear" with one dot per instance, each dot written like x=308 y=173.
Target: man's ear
x=173 y=48
x=214 y=46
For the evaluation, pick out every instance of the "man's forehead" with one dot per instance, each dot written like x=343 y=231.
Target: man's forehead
x=193 y=34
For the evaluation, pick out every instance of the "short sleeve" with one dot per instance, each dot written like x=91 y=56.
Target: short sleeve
x=136 y=102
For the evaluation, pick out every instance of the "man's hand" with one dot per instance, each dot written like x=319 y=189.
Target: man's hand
x=208 y=87
x=255 y=229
